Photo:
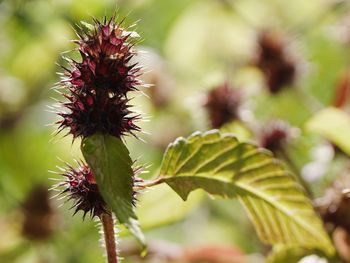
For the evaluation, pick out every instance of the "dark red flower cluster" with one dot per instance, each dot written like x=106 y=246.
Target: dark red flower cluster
x=98 y=85
x=223 y=104
x=81 y=186
x=275 y=135
x=276 y=64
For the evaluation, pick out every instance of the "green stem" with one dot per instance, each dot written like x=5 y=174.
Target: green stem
x=109 y=236
x=295 y=169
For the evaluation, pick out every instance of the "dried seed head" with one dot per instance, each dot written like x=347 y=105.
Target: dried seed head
x=223 y=104
x=273 y=60
x=275 y=135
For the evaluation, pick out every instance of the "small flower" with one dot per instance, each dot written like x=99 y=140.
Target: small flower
x=275 y=135
x=223 y=104
x=274 y=61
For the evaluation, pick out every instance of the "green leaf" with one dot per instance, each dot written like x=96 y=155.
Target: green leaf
x=287 y=254
x=332 y=124
x=292 y=254
x=154 y=213
x=110 y=161
x=237 y=129
x=273 y=199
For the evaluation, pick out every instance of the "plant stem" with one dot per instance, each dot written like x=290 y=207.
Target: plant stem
x=109 y=236
x=295 y=169
x=149 y=183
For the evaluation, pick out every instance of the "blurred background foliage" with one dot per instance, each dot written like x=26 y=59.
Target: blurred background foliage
x=191 y=46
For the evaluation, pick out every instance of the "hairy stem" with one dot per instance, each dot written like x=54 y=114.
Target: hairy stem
x=109 y=236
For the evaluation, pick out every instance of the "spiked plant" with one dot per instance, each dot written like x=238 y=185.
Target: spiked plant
x=97 y=109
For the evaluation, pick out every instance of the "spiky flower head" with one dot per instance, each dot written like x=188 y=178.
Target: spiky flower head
x=81 y=187
x=97 y=86
x=275 y=135
x=223 y=104
x=274 y=61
